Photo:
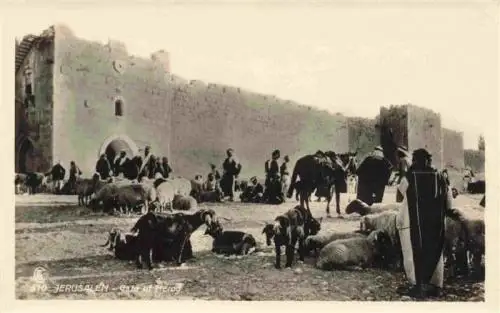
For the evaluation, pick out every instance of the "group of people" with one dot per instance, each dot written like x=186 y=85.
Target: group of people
x=422 y=190
x=425 y=196
x=275 y=185
x=151 y=165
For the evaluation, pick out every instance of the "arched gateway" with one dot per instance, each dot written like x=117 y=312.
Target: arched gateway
x=26 y=161
x=114 y=144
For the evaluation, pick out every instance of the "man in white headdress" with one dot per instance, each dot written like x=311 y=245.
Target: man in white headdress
x=146 y=160
x=119 y=162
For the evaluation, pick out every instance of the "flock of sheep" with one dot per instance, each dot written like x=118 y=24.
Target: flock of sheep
x=374 y=244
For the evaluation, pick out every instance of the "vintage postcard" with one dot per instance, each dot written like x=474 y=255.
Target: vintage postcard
x=321 y=151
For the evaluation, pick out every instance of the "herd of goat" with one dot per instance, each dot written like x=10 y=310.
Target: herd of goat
x=159 y=236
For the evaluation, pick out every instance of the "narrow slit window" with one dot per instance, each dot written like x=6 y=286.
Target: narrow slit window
x=118 y=107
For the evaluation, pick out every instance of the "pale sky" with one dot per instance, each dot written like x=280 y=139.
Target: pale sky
x=344 y=58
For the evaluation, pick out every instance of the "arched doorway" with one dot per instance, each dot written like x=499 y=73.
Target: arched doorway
x=26 y=157
x=114 y=144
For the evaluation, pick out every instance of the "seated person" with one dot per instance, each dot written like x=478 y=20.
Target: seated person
x=253 y=193
x=211 y=183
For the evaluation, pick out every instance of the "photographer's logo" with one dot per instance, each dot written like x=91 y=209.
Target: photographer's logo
x=39 y=278
x=40 y=275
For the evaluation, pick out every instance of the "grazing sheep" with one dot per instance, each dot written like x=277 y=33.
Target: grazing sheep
x=165 y=194
x=464 y=234
x=104 y=198
x=184 y=203
x=86 y=187
x=358 y=206
x=317 y=242
x=182 y=186
x=122 y=244
x=130 y=196
x=365 y=252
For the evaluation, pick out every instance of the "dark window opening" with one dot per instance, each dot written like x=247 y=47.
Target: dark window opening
x=118 y=108
x=29 y=98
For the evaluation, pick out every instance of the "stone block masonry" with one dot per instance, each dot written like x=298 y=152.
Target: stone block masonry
x=363 y=136
x=453 y=149
x=89 y=79
x=34 y=119
x=91 y=95
x=413 y=127
x=475 y=159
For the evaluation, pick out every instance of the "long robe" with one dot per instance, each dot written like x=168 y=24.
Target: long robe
x=404 y=164
x=421 y=226
x=373 y=175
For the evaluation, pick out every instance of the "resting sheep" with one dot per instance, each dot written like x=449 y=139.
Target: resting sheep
x=358 y=206
x=317 y=242
x=364 y=252
x=210 y=196
x=184 y=203
x=386 y=222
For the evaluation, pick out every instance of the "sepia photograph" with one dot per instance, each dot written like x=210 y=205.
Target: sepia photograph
x=253 y=152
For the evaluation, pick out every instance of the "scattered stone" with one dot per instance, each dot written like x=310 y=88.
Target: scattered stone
x=452 y=296
x=324 y=283
x=211 y=290
x=370 y=298
x=298 y=271
x=476 y=299
x=235 y=297
x=405 y=298
x=366 y=292
x=261 y=253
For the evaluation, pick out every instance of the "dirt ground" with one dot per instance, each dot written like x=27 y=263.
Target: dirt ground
x=54 y=233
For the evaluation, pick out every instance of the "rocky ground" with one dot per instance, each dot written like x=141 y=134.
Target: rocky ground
x=54 y=233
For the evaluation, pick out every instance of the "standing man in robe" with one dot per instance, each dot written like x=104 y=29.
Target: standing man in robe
x=74 y=173
x=285 y=174
x=148 y=161
x=119 y=162
x=373 y=174
x=231 y=169
x=403 y=165
x=273 y=193
x=165 y=167
x=103 y=167
x=421 y=225
x=57 y=174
